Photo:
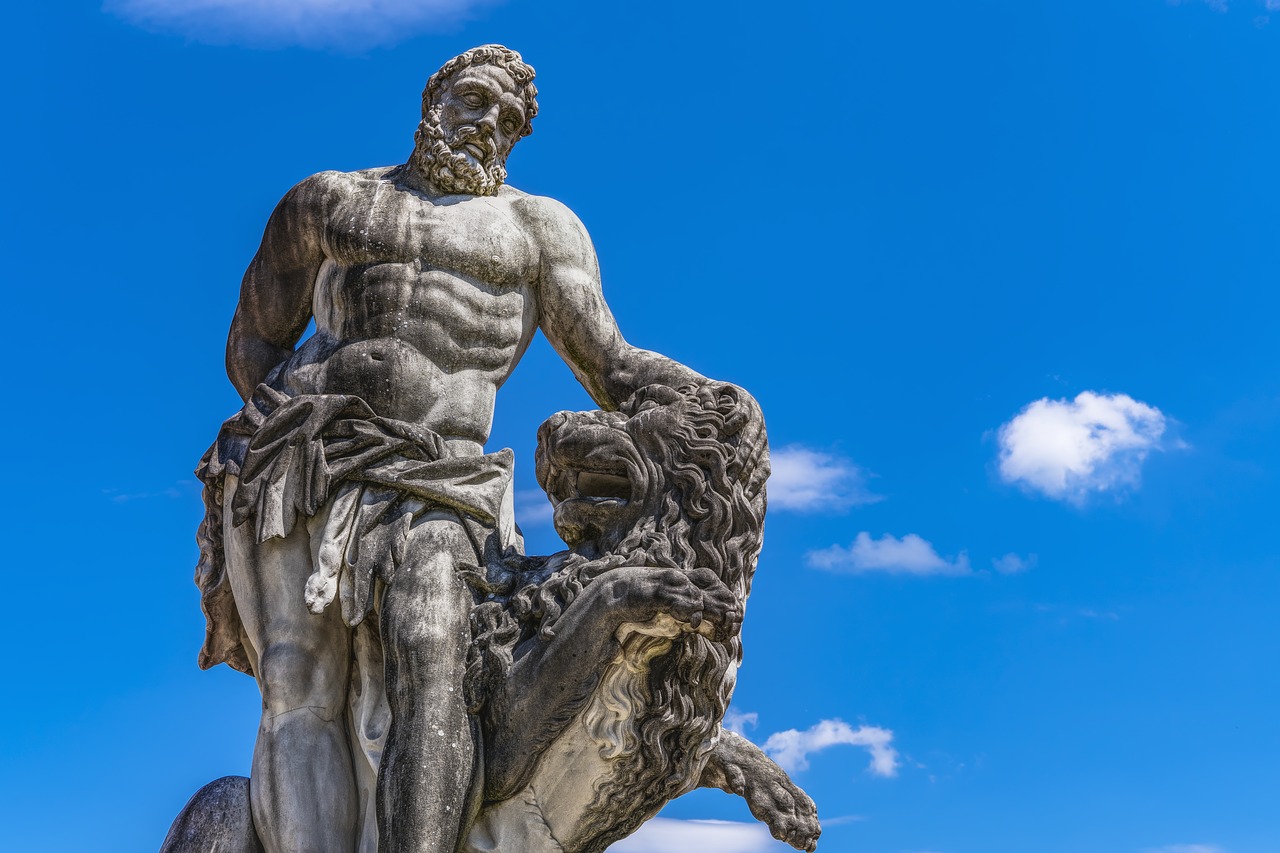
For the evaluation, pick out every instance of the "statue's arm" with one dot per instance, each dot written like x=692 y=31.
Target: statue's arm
x=577 y=321
x=275 y=294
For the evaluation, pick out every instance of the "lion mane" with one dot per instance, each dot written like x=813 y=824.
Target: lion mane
x=700 y=465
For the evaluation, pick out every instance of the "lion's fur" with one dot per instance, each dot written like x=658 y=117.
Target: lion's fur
x=706 y=459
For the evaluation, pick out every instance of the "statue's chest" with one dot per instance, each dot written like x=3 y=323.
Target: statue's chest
x=476 y=238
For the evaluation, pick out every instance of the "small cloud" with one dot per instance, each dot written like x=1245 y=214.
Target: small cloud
x=792 y=748
x=533 y=509
x=1090 y=613
x=1069 y=614
x=737 y=722
x=342 y=24
x=843 y=820
x=180 y=489
x=662 y=835
x=909 y=555
x=805 y=480
x=1066 y=449
x=1224 y=6
x=1012 y=564
x=1186 y=848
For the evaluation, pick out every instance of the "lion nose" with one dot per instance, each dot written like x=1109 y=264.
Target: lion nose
x=556 y=421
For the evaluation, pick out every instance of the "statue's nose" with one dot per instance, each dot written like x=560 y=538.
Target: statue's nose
x=556 y=421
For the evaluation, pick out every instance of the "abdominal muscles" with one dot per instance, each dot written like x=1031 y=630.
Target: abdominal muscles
x=426 y=347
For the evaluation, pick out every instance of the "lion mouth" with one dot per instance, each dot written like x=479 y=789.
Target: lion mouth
x=593 y=487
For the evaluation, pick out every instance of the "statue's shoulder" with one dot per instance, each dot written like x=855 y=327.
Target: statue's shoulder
x=318 y=194
x=544 y=215
x=344 y=183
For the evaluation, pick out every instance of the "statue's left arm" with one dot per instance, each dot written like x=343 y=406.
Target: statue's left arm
x=574 y=317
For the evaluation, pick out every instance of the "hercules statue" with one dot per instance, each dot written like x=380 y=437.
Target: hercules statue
x=426 y=281
x=354 y=523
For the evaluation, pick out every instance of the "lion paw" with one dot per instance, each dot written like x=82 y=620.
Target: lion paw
x=788 y=812
x=781 y=805
x=698 y=599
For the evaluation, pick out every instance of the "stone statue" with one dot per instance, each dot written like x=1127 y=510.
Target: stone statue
x=425 y=685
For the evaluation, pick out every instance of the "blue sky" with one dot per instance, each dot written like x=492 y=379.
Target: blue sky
x=1002 y=275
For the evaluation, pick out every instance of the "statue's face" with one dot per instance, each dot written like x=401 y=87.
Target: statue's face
x=482 y=114
x=467 y=133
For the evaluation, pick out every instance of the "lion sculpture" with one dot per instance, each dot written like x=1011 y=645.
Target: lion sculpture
x=601 y=682
x=600 y=674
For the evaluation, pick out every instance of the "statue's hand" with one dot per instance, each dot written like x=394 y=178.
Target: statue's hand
x=697 y=598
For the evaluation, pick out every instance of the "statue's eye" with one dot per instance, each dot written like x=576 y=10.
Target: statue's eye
x=472 y=99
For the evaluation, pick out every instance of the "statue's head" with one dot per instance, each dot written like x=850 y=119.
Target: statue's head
x=474 y=110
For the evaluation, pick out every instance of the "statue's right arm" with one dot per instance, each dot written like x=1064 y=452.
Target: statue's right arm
x=275 y=294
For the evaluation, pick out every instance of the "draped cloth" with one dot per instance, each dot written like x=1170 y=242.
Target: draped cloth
x=364 y=478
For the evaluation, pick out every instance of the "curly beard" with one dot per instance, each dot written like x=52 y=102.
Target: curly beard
x=448 y=166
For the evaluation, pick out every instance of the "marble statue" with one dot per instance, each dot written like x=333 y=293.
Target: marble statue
x=426 y=686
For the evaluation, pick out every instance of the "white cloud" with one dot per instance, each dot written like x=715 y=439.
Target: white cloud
x=842 y=820
x=909 y=555
x=1066 y=449
x=533 y=509
x=1012 y=564
x=663 y=835
x=345 y=24
x=1186 y=848
x=738 y=722
x=792 y=748
x=1225 y=5
x=805 y=480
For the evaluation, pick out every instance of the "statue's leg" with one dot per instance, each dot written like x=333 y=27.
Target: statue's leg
x=428 y=763
x=302 y=790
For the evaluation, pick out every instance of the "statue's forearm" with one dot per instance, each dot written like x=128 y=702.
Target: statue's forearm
x=635 y=368
x=250 y=359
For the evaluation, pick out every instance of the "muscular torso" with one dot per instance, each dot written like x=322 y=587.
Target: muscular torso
x=421 y=307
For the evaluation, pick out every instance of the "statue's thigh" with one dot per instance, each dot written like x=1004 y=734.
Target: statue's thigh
x=428 y=604
x=294 y=651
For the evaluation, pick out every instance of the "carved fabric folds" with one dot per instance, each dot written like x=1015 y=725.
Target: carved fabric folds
x=296 y=457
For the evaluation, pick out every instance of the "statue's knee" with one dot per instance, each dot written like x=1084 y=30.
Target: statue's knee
x=294 y=678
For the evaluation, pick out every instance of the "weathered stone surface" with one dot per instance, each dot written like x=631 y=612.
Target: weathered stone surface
x=215 y=820
x=426 y=685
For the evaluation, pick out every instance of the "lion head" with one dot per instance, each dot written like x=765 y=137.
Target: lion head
x=675 y=476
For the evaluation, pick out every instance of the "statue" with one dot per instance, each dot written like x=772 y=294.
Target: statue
x=359 y=555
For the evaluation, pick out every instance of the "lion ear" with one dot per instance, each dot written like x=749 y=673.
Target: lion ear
x=744 y=421
x=734 y=406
